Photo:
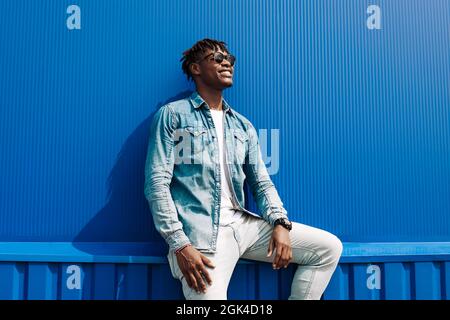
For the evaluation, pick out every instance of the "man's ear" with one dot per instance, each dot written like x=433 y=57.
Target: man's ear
x=194 y=68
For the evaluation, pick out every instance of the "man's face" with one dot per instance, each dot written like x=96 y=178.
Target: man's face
x=214 y=74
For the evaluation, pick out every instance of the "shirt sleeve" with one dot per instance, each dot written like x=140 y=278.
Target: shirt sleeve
x=158 y=175
x=258 y=179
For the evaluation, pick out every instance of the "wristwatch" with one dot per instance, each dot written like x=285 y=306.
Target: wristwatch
x=285 y=223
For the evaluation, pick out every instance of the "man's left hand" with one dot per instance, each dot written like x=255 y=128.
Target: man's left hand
x=281 y=242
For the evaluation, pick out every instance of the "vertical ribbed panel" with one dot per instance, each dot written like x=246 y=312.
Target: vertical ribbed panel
x=398 y=281
x=398 y=278
x=363 y=114
x=105 y=281
x=446 y=280
x=43 y=281
x=12 y=277
x=427 y=280
x=267 y=284
x=243 y=284
x=338 y=288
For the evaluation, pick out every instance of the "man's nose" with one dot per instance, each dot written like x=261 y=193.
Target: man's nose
x=225 y=62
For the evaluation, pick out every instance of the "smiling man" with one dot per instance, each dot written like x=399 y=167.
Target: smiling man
x=201 y=152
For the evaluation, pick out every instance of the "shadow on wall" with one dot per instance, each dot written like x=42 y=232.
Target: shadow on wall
x=126 y=216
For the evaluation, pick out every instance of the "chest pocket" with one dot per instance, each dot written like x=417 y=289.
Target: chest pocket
x=240 y=146
x=197 y=140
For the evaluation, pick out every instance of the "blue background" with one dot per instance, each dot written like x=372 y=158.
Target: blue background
x=363 y=114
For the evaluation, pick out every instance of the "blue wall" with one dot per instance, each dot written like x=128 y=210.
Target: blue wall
x=61 y=271
x=363 y=114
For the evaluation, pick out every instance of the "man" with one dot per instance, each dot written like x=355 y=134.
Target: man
x=199 y=155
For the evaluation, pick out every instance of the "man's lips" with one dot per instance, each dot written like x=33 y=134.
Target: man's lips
x=226 y=73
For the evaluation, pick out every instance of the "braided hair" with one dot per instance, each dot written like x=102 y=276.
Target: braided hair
x=197 y=51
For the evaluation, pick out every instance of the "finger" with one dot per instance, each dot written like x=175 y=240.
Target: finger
x=201 y=286
x=206 y=275
x=188 y=279
x=192 y=281
x=282 y=260
x=269 y=252
x=289 y=258
x=285 y=259
x=276 y=261
x=208 y=262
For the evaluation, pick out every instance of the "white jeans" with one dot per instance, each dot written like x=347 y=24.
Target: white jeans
x=315 y=251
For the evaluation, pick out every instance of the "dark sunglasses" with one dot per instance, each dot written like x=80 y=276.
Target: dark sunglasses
x=219 y=56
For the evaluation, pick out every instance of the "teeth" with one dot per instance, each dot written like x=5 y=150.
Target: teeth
x=226 y=73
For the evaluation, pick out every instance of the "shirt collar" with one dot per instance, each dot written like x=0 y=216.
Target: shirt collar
x=198 y=101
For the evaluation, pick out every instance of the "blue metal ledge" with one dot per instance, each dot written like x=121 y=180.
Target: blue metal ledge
x=139 y=252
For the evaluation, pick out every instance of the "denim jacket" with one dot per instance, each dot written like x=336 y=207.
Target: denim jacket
x=182 y=172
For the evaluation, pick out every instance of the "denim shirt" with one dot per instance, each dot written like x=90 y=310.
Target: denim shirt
x=182 y=172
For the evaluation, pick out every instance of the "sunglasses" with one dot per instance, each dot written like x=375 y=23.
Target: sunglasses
x=219 y=57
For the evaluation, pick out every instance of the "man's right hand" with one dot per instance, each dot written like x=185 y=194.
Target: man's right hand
x=193 y=265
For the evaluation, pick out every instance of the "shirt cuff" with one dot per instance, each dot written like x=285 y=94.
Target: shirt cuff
x=274 y=216
x=177 y=239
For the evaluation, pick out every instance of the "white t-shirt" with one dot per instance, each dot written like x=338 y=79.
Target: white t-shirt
x=227 y=213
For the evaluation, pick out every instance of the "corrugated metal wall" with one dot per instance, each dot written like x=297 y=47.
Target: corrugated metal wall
x=370 y=272
x=362 y=114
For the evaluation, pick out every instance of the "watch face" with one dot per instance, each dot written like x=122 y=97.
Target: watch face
x=288 y=223
x=285 y=223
